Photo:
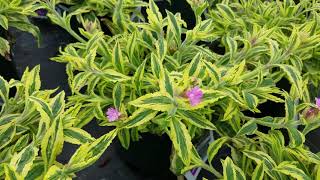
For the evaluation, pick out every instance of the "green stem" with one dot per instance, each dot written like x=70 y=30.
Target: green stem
x=75 y=35
x=213 y=171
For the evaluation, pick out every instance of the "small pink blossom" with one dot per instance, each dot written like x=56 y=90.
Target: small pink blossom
x=194 y=95
x=112 y=114
x=318 y=102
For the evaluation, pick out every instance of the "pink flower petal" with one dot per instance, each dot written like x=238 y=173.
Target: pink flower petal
x=318 y=102
x=112 y=114
x=194 y=95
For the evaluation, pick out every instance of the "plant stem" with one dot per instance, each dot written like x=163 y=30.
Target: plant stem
x=76 y=36
x=181 y=177
x=213 y=171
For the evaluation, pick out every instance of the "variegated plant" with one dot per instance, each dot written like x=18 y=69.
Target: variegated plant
x=278 y=153
x=34 y=125
x=93 y=14
x=290 y=29
x=14 y=13
x=155 y=77
x=290 y=32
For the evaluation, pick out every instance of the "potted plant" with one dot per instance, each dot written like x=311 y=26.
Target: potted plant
x=156 y=76
x=259 y=155
x=14 y=14
x=34 y=127
x=150 y=79
x=282 y=137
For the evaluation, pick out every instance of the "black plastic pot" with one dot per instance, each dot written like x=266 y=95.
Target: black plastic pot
x=26 y=53
x=7 y=69
x=182 y=7
x=176 y=6
x=7 y=66
x=149 y=157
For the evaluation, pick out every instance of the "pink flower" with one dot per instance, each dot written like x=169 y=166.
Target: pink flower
x=318 y=103
x=113 y=114
x=194 y=95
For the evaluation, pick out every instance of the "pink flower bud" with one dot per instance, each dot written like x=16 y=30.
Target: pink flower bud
x=311 y=113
